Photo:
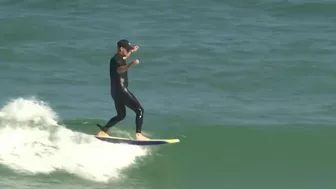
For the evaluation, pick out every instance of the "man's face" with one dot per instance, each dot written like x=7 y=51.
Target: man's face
x=125 y=52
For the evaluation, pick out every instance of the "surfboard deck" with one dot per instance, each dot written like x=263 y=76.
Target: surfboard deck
x=120 y=140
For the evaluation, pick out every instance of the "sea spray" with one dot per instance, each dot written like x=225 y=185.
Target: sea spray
x=31 y=141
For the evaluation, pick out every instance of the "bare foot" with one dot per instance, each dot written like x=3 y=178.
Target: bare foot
x=102 y=134
x=139 y=136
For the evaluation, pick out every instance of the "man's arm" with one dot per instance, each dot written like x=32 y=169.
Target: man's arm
x=124 y=68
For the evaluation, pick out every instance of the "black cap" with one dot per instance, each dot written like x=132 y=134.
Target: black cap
x=125 y=44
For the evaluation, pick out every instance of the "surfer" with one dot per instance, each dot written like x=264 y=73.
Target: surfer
x=120 y=93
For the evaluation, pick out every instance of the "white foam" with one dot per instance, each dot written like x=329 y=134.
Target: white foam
x=32 y=142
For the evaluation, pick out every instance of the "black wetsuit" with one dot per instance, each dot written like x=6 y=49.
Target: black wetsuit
x=122 y=96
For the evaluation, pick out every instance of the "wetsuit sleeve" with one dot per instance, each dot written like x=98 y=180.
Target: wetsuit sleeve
x=119 y=63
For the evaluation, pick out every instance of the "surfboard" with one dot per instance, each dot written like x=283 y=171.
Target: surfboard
x=120 y=140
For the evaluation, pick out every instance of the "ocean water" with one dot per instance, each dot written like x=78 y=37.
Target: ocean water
x=247 y=86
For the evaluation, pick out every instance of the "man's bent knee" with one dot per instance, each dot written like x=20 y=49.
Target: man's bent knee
x=121 y=116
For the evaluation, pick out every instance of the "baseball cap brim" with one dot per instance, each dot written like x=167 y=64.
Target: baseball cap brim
x=128 y=47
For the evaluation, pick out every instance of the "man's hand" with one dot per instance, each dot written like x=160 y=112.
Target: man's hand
x=135 y=48
x=136 y=61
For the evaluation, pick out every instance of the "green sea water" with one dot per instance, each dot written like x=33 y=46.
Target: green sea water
x=247 y=86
